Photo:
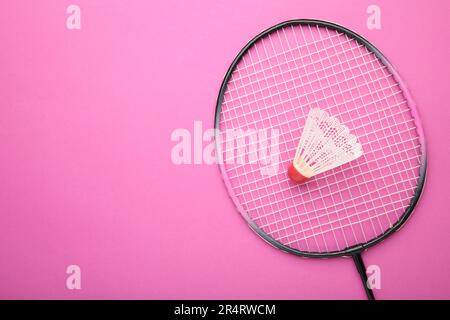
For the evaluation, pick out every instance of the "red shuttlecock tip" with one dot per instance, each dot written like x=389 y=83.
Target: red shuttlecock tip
x=295 y=175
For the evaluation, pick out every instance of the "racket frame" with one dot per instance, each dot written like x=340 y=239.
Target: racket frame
x=353 y=250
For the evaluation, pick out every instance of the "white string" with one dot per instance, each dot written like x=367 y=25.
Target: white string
x=372 y=217
x=292 y=79
x=271 y=185
x=341 y=203
x=293 y=149
x=346 y=217
x=240 y=69
x=302 y=96
x=326 y=175
x=307 y=186
x=292 y=106
x=324 y=109
x=365 y=132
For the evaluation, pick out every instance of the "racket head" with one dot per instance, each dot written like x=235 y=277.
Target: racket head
x=278 y=241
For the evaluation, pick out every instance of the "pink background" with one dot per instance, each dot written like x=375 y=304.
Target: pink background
x=86 y=176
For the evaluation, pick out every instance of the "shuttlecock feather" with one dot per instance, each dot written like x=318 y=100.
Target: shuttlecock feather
x=324 y=145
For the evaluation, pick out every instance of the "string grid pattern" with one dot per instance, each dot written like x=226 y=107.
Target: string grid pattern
x=276 y=83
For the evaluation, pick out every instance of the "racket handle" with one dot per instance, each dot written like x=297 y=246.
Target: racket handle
x=362 y=273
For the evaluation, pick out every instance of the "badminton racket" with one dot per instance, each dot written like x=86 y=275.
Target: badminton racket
x=264 y=100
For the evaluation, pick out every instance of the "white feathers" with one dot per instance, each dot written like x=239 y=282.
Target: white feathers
x=325 y=144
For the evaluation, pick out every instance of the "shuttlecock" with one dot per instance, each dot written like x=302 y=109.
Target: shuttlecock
x=324 y=145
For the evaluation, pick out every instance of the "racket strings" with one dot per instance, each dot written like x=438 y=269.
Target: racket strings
x=330 y=67
x=267 y=59
x=326 y=179
x=361 y=137
x=307 y=214
x=270 y=188
x=237 y=77
x=275 y=84
x=309 y=84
